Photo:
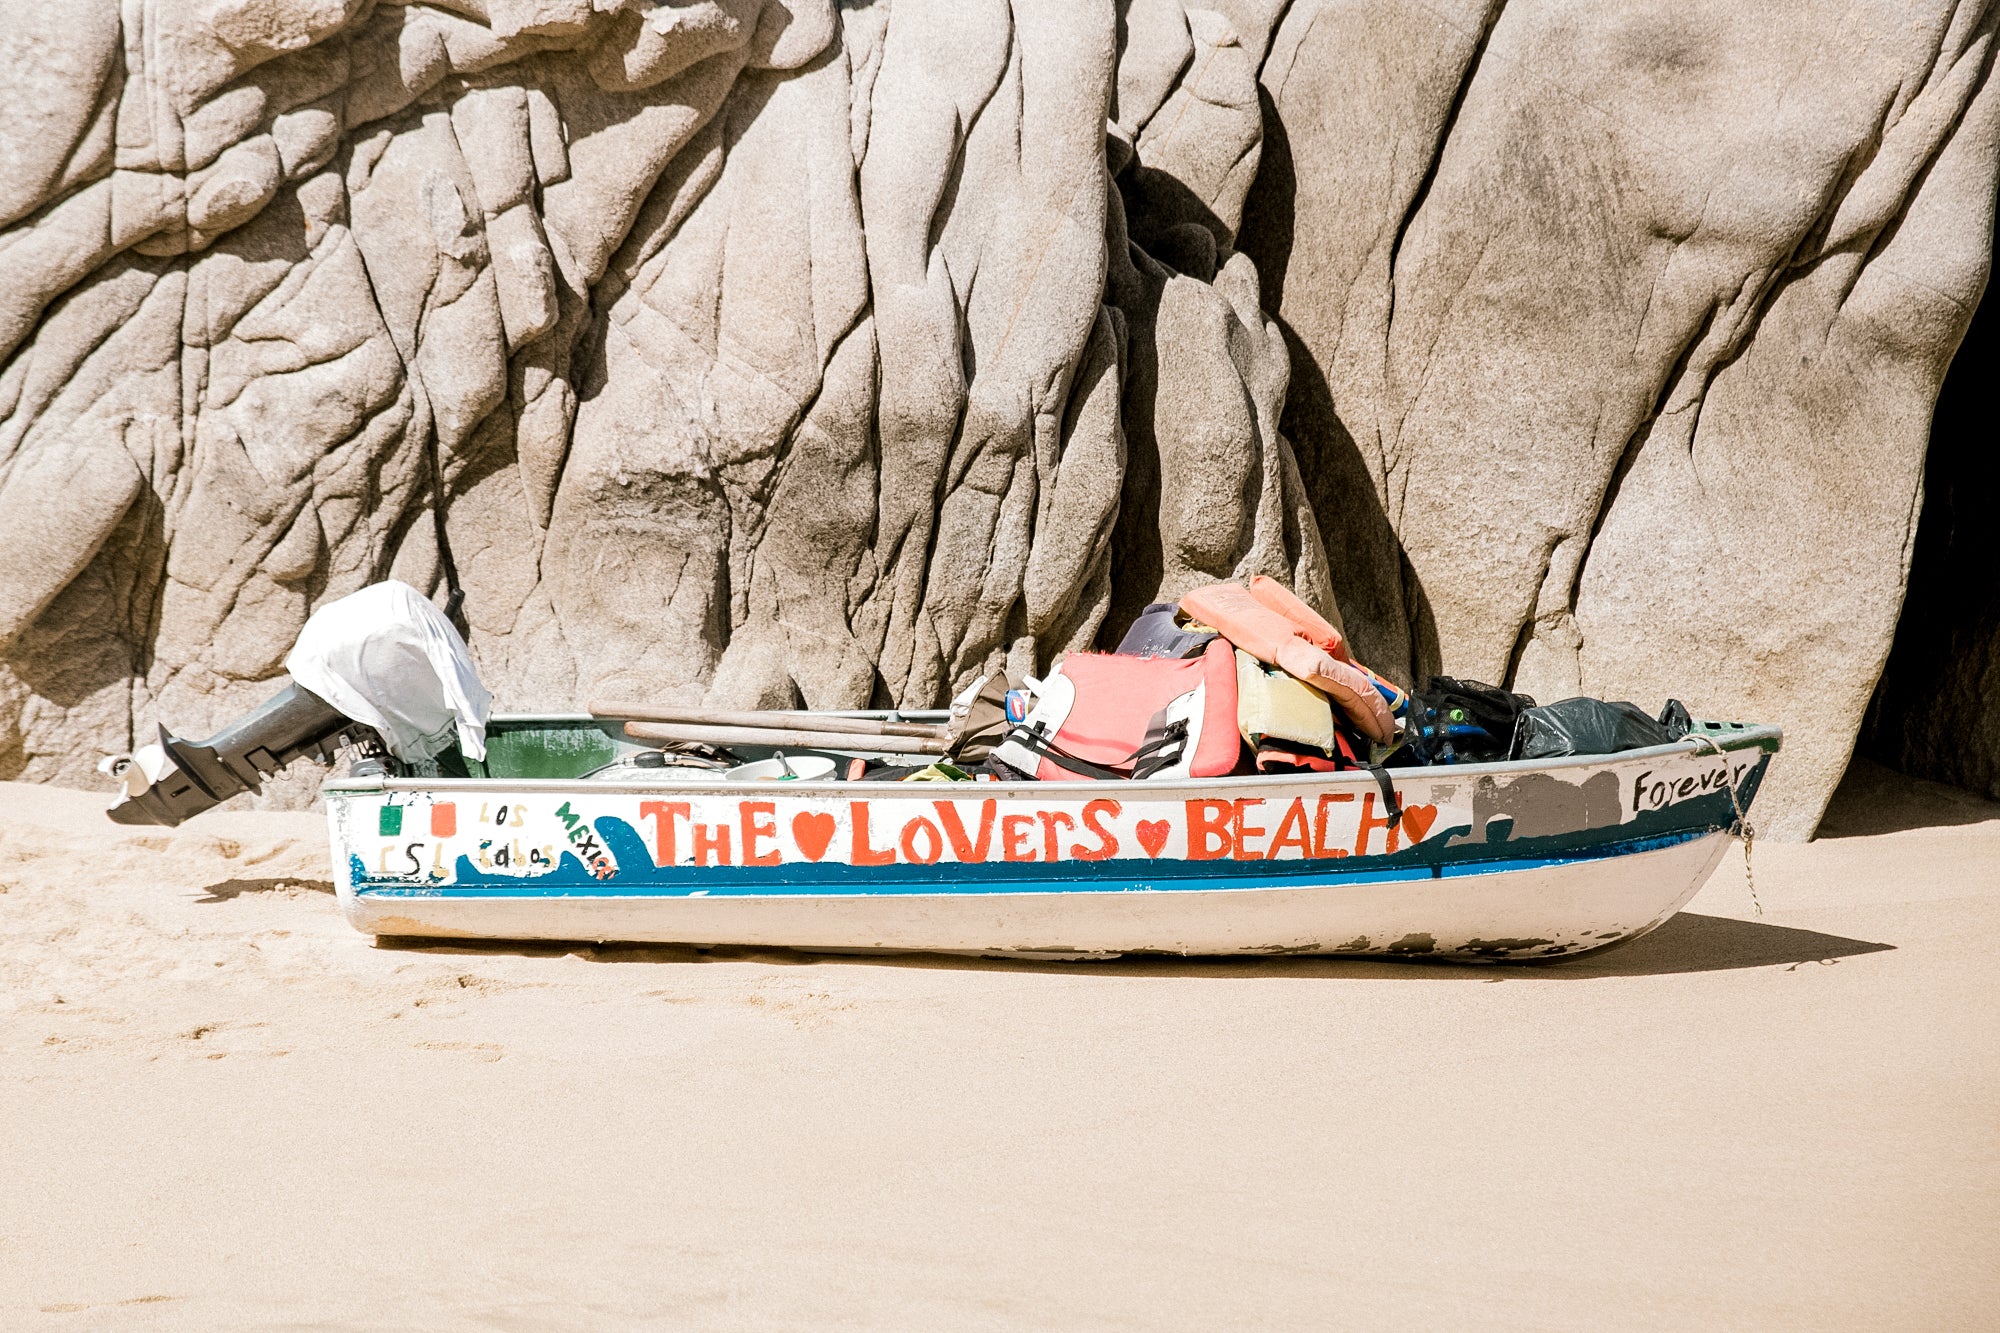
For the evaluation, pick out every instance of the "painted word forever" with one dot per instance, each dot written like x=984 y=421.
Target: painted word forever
x=1652 y=792
x=1247 y=829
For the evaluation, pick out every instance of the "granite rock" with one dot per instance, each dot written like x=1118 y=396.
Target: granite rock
x=1618 y=331
x=773 y=352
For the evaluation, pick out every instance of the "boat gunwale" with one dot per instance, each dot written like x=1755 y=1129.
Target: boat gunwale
x=1728 y=737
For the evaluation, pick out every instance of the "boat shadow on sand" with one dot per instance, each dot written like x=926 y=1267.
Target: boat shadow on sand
x=1689 y=942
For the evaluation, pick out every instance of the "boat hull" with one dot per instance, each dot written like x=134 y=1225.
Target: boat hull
x=1523 y=861
x=1528 y=912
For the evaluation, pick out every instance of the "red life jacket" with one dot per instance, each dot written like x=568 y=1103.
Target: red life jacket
x=1103 y=715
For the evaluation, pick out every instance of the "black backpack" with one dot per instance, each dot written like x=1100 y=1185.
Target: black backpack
x=1462 y=722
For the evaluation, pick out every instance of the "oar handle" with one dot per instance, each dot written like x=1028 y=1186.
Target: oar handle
x=788 y=719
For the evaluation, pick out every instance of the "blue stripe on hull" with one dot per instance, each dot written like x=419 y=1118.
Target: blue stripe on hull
x=644 y=880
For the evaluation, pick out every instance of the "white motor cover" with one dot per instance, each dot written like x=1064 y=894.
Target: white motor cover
x=386 y=657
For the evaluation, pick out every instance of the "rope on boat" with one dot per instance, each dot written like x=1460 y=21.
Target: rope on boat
x=1743 y=832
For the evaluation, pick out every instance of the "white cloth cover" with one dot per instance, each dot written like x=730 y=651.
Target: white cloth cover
x=386 y=657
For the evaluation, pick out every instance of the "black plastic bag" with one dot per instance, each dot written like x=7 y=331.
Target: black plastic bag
x=1587 y=726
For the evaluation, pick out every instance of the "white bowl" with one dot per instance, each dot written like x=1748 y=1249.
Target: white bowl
x=804 y=768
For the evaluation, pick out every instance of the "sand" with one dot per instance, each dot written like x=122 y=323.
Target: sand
x=221 y=1108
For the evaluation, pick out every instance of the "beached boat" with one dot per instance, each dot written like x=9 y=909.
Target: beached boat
x=560 y=834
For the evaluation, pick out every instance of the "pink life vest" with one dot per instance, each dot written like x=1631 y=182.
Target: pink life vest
x=1103 y=715
x=1274 y=627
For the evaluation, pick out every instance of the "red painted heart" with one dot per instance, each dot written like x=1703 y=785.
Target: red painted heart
x=812 y=832
x=1153 y=835
x=1417 y=821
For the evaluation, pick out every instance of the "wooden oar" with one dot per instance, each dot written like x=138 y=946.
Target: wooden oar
x=788 y=737
x=768 y=719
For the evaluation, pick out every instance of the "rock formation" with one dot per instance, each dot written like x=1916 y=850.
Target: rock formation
x=767 y=351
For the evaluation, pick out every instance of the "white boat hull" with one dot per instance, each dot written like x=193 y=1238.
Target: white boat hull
x=1542 y=911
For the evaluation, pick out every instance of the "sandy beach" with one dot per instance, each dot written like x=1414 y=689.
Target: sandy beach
x=223 y=1108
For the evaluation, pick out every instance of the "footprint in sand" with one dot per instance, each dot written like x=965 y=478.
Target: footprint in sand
x=72 y=1307
x=440 y=995
x=481 y=1050
x=231 y=1039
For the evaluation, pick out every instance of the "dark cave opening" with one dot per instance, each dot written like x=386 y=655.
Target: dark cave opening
x=1936 y=711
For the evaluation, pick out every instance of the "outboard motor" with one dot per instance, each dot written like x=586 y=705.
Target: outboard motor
x=381 y=669
x=178 y=779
